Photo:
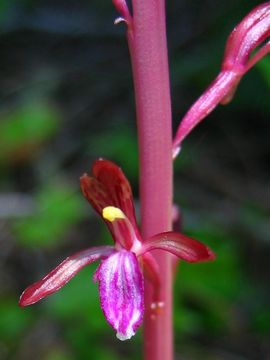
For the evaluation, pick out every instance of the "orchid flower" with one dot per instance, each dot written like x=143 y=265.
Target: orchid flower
x=239 y=57
x=120 y=273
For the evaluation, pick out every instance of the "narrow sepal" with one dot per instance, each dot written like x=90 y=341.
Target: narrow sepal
x=121 y=292
x=182 y=246
x=64 y=272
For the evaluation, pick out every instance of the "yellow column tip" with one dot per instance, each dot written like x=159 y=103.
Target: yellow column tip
x=112 y=213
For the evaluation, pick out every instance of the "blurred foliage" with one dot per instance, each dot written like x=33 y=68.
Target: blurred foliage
x=57 y=355
x=213 y=288
x=264 y=67
x=13 y=321
x=66 y=99
x=23 y=131
x=58 y=208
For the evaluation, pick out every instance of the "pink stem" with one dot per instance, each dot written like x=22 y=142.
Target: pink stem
x=148 y=50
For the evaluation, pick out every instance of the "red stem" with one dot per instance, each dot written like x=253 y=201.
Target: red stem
x=148 y=49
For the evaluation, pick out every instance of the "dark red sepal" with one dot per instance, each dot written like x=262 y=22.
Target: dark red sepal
x=182 y=246
x=64 y=272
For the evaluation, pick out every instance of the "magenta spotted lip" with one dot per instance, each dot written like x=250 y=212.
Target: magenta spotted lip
x=120 y=276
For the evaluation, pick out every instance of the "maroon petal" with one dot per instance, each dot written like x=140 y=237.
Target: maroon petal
x=64 y=272
x=109 y=187
x=180 y=245
x=121 y=292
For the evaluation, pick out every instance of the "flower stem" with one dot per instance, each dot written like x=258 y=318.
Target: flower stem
x=148 y=49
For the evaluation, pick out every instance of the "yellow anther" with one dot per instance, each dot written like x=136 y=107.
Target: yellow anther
x=112 y=213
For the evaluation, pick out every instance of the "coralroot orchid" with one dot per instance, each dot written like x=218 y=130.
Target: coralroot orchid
x=120 y=274
x=249 y=34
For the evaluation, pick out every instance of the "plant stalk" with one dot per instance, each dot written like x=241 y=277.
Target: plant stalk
x=148 y=49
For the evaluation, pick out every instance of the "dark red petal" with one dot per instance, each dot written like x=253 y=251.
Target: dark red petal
x=64 y=272
x=108 y=187
x=180 y=245
x=95 y=192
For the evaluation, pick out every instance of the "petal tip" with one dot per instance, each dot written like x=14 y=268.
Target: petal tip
x=211 y=255
x=84 y=179
x=126 y=336
x=26 y=299
x=22 y=303
x=83 y=176
x=176 y=151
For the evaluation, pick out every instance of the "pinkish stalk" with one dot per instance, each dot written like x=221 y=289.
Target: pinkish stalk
x=151 y=78
x=148 y=50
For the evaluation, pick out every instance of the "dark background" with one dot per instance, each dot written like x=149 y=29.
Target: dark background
x=67 y=98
